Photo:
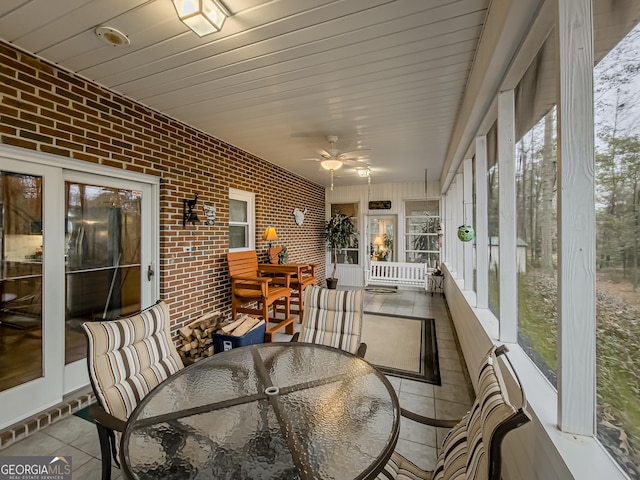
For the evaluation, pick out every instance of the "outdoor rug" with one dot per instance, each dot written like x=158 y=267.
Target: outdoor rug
x=402 y=346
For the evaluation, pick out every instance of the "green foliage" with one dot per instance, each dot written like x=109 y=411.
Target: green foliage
x=421 y=242
x=617 y=355
x=339 y=233
x=283 y=256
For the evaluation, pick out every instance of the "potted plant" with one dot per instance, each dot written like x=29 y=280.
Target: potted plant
x=339 y=232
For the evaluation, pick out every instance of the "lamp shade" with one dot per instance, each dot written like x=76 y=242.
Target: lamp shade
x=331 y=164
x=378 y=241
x=270 y=234
x=201 y=16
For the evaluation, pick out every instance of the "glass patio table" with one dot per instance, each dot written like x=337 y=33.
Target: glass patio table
x=267 y=411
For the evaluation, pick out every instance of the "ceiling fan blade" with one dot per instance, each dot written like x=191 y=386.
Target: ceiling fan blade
x=325 y=154
x=352 y=162
x=355 y=154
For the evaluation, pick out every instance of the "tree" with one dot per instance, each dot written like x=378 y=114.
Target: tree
x=548 y=195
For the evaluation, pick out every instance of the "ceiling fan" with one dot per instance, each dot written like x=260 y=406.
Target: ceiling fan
x=332 y=159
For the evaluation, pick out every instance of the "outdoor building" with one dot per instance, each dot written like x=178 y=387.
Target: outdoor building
x=536 y=145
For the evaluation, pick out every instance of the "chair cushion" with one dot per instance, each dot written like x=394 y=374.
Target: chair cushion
x=333 y=317
x=464 y=450
x=452 y=460
x=491 y=409
x=399 y=468
x=129 y=357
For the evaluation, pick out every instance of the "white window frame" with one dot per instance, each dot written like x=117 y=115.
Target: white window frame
x=250 y=199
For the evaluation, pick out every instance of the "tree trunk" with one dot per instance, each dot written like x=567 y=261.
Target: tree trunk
x=548 y=182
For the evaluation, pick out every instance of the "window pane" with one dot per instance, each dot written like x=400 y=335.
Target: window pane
x=422 y=219
x=238 y=236
x=382 y=234
x=617 y=143
x=349 y=255
x=102 y=268
x=536 y=247
x=238 y=211
x=422 y=207
x=21 y=250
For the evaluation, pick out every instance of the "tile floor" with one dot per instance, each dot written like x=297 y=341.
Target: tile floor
x=78 y=438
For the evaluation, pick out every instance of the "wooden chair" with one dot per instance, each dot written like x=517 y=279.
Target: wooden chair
x=333 y=318
x=301 y=276
x=126 y=358
x=472 y=448
x=253 y=293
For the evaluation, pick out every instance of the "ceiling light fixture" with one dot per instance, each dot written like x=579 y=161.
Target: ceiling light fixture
x=331 y=165
x=364 y=172
x=201 y=16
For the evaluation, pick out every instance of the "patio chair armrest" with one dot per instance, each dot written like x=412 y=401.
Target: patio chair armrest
x=248 y=278
x=101 y=416
x=434 y=422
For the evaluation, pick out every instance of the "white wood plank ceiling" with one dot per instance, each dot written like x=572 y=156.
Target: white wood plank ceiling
x=383 y=75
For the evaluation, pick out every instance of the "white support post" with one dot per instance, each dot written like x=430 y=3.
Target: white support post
x=482 y=225
x=467 y=175
x=451 y=251
x=576 y=200
x=507 y=221
x=447 y=229
x=459 y=212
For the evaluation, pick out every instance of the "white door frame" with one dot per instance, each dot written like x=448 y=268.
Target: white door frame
x=29 y=398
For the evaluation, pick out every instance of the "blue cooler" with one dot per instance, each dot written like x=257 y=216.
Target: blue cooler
x=222 y=343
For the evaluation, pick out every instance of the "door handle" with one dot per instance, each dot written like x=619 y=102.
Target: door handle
x=150 y=272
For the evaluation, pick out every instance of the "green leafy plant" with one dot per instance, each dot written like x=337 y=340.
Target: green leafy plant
x=283 y=256
x=339 y=233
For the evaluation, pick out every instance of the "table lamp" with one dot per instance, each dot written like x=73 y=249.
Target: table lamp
x=270 y=235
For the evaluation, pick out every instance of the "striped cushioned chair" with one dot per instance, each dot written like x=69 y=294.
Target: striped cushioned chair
x=126 y=359
x=472 y=449
x=333 y=318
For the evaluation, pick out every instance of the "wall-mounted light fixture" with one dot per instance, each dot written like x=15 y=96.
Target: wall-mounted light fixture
x=270 y=235
x=188 y=215
x=202 y=16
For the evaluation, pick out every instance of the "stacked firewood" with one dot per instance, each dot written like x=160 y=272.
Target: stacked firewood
x=197 y=338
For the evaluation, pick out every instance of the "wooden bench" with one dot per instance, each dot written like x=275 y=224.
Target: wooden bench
x=398 y=274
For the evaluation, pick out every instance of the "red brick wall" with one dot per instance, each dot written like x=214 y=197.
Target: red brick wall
x=44 y=108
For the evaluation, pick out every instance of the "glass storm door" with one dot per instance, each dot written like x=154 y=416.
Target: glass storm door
x=108 y=273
